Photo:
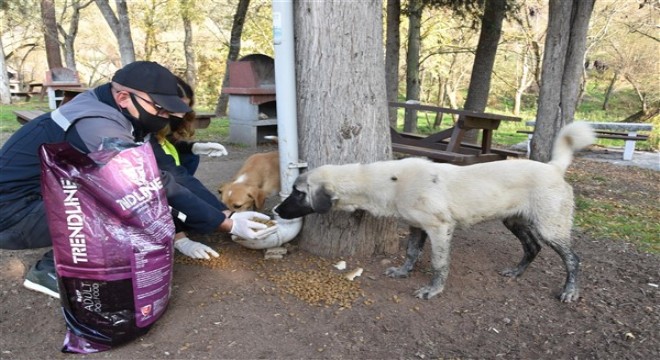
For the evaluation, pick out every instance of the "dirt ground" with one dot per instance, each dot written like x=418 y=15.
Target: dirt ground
x=241 y=306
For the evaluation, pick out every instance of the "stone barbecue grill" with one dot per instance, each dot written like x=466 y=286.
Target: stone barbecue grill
x=252 y=111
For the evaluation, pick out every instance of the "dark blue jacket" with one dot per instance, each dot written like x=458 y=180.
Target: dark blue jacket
x=84 y=122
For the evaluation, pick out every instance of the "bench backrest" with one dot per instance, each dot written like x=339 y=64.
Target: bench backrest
x=61 y=76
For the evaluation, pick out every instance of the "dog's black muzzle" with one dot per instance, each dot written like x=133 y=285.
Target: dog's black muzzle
x=294 y=206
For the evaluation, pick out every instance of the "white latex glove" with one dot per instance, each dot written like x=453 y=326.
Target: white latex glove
x=211 y=149
x=194 y=249
x=247 y=229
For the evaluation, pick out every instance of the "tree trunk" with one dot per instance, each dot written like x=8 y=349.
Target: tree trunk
x=121 y=27
x=187 y=7
x=5 y=93
x=53 y=54
x=563 y=60
x=150 y=18
x=412 y=62
x=234 y=50
x=484 y=59
x=70 y=36
x=522 y=83
x=610 y=88
x=353 y=126
x=392 y=45
x=638 y=91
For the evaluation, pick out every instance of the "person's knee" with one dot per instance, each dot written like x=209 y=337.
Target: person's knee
x=30 y=232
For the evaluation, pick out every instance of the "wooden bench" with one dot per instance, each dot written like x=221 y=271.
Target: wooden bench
x=604 y=131
x=21 y=95
x=447 y=145
x=23 y=116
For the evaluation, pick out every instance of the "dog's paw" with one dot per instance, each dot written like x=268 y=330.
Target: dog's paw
x=569 y=295
x=512 y=273
x=397 y=272
x=427 y=292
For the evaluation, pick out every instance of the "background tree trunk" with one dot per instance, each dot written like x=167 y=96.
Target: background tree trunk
x=392 y=45
x=412 y=62
x=340 y=120
x=563 y=61
x=484 y=60
x=53 y=54
x=121 y=27
x=234 y=51
x=5 y=93
x=610 y=88
x=70 y=36
x=187 y=7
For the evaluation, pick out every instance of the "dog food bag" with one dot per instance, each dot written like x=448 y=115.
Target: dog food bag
x=112 y=237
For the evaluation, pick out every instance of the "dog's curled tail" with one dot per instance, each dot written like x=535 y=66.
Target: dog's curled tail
x=272 y=138
x=571 y=138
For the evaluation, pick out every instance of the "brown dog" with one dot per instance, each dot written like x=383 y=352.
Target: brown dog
x=258 y=179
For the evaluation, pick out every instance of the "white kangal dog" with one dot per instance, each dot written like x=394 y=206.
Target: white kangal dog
x=531 y=198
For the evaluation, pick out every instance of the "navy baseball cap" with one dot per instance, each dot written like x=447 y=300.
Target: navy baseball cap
x=155 y=80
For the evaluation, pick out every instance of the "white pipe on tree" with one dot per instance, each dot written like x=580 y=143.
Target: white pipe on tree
x=287 y=123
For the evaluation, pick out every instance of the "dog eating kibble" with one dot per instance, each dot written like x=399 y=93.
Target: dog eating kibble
x=258 y=178
x=531 y=198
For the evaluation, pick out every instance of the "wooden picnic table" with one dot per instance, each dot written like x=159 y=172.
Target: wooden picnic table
x=202 y=120
x=447 y=145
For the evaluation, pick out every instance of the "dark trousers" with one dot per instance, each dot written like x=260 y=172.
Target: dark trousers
x=23 y=225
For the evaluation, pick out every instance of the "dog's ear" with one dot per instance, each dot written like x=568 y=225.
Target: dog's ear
x=321 y=200
x=259 y=198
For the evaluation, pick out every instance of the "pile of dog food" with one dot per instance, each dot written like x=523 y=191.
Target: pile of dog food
x=309 y=278
x=319 y=287
x=221 y=262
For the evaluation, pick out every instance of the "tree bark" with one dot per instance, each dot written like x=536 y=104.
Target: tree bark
x=5 y=93
x=563 y=60
x=610 y=88
x=70 y=36
x=121 y=27
x=341 y=121
x=638 y=91
x=234 y=50
x=523 y=83
x=392 y=45
x=484 y=60
x=187 y=7
x=53 y=54
x=412 y=62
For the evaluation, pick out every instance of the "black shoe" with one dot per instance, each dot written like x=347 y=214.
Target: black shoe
x=42 y=279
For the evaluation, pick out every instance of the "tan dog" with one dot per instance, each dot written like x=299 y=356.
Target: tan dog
x=258 y=179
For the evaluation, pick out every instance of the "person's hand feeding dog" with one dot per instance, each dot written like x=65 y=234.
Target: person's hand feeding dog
x=194 y=249
x=245 y=225
x=209 y=148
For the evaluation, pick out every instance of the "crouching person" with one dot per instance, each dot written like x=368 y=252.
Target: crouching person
x=135 y=104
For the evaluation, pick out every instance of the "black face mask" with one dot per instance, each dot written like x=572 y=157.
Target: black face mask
x=149 y=123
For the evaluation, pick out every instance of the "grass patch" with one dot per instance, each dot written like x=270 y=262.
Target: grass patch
x=617 y=202
x=217 y=131
x=602 y=218
x=8 y=123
